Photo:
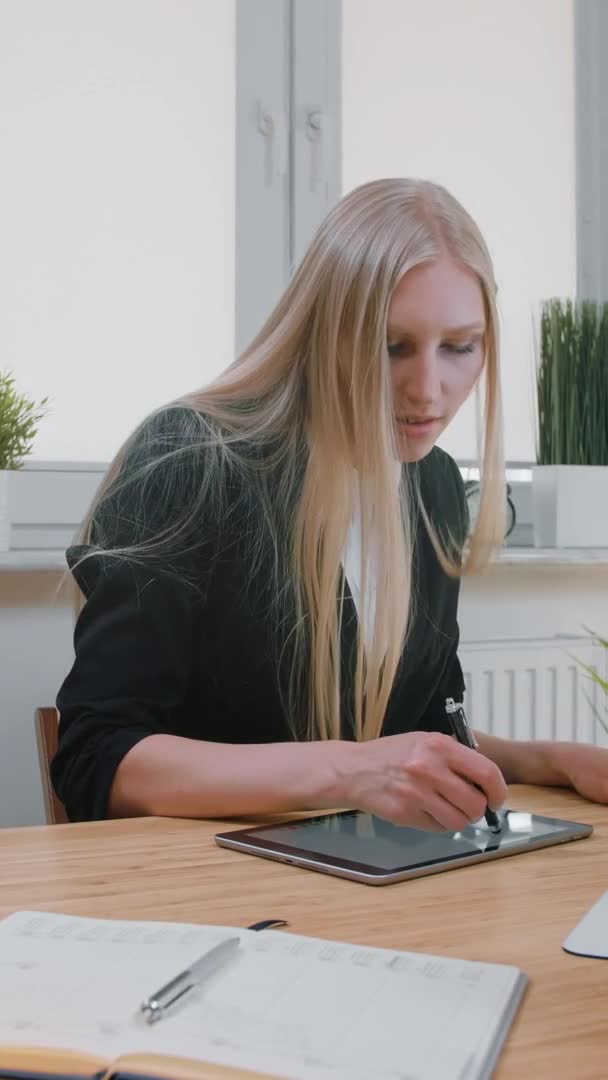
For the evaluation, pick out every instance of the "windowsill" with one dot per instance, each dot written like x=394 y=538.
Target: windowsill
x=532 y=556
x=32 y=561
x=54 y=561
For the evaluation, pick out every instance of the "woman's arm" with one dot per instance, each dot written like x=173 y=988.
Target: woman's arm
x=581 y=766
x=526 y=762
x=422 y=779
x=176 y=777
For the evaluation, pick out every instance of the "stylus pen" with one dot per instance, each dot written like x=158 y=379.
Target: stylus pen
x=462 y=732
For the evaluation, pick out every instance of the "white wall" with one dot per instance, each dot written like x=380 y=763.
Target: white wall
x=477 y=95
x=116 y=208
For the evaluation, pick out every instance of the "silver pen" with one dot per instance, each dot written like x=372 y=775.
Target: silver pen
x=463 y=734
x=154 y=1007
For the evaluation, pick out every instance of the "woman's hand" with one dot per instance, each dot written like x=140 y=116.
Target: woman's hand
x=554 y=764
x=423 y=779
x=584 y=768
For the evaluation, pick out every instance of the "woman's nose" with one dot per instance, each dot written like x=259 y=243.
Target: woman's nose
x=422 y=382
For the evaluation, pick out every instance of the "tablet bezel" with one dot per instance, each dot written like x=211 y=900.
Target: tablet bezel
x=248 y=840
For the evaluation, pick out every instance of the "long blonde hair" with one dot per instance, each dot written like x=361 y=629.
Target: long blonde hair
x=312 y=393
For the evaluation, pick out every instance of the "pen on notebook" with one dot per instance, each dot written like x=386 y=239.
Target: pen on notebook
x=157 y=1004
x=462 y=732
x=155 y=1007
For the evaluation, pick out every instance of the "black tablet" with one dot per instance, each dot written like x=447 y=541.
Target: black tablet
x=356 y=845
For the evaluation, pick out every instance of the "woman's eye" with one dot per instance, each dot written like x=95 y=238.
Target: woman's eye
x=460 y=350
x=400 y=348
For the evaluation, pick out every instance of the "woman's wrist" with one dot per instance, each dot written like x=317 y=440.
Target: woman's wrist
x=329 y=773
x=541 y=762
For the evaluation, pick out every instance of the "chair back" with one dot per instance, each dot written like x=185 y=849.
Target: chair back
x=47 y=726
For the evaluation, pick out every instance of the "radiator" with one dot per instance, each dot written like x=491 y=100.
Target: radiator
x=535 y=689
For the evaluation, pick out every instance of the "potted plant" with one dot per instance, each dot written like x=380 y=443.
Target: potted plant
x=570 y=481
x=595 y=676
x=19 y=421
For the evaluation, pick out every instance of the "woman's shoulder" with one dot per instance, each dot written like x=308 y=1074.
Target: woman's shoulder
x=443 y=492
x=159 y=482
x=181 y=436
x=175 y=429
x=439 y=470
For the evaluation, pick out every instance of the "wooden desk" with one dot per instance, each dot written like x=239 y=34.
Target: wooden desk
x=516 y=910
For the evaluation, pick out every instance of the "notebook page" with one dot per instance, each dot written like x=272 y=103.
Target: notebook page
x=287 y=1005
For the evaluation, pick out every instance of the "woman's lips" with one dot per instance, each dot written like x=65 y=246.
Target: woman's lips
x=417 y=428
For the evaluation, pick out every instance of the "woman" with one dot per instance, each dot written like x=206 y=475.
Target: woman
x=270 y=570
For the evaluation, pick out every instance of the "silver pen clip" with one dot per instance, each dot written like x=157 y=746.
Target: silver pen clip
x=462 y=731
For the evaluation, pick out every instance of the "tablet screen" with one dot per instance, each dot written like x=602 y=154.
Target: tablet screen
x=364 y=839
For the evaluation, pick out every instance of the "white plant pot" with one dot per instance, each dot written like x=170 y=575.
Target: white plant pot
x=42 y=504
x=5 y=528
x=570 y=506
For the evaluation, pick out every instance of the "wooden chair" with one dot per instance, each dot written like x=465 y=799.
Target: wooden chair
x=47 y=723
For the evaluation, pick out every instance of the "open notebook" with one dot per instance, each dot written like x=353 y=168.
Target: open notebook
x=284 y=1005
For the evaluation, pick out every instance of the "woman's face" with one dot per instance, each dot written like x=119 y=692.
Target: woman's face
x=436 y=335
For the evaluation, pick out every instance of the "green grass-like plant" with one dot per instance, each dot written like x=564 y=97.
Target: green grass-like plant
x=572 y=384
x=19 y=421
x=594 y=675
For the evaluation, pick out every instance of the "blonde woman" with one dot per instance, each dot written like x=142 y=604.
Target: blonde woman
x=270 y=571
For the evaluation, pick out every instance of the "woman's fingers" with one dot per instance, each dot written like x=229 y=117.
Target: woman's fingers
x=466 y=802
x=479 y=770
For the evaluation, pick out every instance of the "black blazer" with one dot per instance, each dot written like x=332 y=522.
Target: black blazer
x=184 y=647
